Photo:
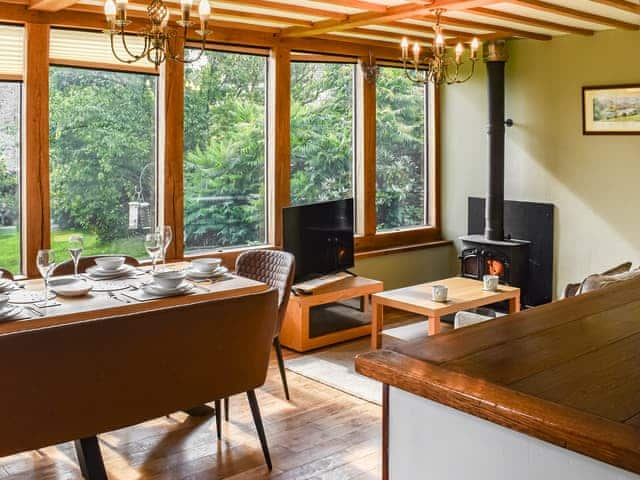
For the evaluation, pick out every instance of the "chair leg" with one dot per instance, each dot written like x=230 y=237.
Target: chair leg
x=90 y=458
x=276 y=344
x=226 y=408
x=257 y=419
x=218 y=404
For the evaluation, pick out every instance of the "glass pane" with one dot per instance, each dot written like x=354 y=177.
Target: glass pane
x=400 y=151
x=10 y=175
x=224 y=161
x=321 y=132
x=102 y=159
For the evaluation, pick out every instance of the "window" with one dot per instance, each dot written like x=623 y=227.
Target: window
x=102 y=159
x=401 y=172
x=322 y=131
x=225 y=159
x=10 y=99
x=11 y=67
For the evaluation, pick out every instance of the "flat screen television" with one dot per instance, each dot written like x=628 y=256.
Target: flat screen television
x=320 y=235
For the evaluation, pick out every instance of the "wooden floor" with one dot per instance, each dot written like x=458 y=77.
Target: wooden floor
x=321 y=434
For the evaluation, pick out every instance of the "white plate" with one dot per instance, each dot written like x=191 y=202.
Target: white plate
x=97 y=272
x=69 y=287
x=153 y=289
x=203 y=275
x=9 y=313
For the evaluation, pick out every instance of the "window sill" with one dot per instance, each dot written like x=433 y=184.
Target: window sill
x=402 y=249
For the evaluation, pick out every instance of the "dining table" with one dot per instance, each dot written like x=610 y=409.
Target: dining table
x=99 y=305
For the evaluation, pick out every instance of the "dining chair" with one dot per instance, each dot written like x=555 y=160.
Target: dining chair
x=66 y=267
x=4 y=273
x=277 y=269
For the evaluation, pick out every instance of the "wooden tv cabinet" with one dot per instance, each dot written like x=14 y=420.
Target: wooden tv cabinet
x=295 y=333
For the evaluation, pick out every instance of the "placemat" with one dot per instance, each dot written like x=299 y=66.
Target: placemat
x=141 y=296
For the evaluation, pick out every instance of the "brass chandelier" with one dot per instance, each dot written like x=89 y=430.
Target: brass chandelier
x=157 y=39
x=438 y=67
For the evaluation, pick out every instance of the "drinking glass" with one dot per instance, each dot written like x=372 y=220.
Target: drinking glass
x=167 y=235
x=153 y=245
x=46 y=264
x=76 y=245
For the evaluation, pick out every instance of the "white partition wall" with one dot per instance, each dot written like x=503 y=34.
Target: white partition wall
x=428 y=440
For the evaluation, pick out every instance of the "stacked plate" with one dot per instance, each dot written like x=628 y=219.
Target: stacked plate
x=168 y=284
x=7 y=311
x=204 y=268
x=98 y=273
x=6 y=285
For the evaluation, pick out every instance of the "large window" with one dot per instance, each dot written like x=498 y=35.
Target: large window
x=322 y=131
x=102 y=159
x=401 y=171
x=224 y=144
x=10 y=93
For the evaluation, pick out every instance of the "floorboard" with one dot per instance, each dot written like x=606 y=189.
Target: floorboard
x=322 y=433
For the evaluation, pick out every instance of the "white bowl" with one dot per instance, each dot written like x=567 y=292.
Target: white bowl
x=3 y=300
x=168 y=280
x=109 y=263
x=206 y=265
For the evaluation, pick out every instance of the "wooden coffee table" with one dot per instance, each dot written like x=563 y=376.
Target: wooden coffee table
x=464 y=294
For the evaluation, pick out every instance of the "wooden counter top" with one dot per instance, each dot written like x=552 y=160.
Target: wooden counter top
x=567 y=372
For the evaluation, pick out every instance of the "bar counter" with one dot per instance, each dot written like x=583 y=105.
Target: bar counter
x=552 y=391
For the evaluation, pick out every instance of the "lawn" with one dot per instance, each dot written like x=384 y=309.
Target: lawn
x=133 y=246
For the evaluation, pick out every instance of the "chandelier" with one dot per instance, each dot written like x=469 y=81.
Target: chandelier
x=438 y=67
x=157 y=39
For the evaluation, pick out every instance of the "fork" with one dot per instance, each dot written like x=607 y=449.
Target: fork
x=119 y=299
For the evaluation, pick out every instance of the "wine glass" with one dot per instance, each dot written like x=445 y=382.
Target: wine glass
x=167 y=235
x=153 y=245
x=76 y=245
x=46 y=263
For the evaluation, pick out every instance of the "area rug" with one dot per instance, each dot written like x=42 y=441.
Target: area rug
x=335 y=367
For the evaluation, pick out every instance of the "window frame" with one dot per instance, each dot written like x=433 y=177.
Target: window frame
x=20 y=166
x=35 y=187
x=268 y=224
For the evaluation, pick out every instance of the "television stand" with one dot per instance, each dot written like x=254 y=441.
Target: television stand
x=310 y=286
x=309 y=314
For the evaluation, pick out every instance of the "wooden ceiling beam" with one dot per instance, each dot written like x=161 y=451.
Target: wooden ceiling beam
x=621 y=4
x=359 y=4
x=488 y=27
x=412 y=28
x=531 y=22
x=290 y=8
x=50 y=5
x=397 y=12
x=541 y=6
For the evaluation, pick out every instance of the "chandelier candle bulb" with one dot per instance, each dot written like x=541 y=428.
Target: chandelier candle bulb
x=204 y=10
x=110 y=12
x=186 y=9
x=416 y=52
x=475 y=44
x=459 y=50
x=405 y=48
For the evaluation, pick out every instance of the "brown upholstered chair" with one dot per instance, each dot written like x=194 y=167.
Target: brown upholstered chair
x=4 y=273
x=277 y=269
x=66 y=268
x=109 y=373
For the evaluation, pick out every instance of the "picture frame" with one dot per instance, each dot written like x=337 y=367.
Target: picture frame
x=611 y=110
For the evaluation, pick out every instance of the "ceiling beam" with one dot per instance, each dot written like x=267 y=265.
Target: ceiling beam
x=50 y=5
x=529 y=21
x=489 y=27
x=576 y=14
x=621 y=4
x=397 y=12
x=289 y=8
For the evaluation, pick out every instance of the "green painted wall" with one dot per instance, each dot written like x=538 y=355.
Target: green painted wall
x=592 y=180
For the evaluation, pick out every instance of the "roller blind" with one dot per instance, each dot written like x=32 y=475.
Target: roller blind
x=93 y=50
x=12 y=48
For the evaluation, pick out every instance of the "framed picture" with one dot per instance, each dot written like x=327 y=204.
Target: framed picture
x=611 y=110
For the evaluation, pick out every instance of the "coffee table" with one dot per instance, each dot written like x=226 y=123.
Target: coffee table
x=464 y=294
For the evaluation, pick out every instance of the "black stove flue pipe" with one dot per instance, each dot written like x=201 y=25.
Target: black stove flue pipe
x=495 y=56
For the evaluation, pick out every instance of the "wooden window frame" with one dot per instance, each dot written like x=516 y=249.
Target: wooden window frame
x=35 y=221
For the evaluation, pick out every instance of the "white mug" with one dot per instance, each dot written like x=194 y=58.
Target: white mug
x=490 y=282
x=439 y=293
